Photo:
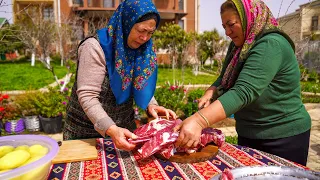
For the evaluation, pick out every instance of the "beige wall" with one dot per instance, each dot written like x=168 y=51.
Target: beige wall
x=307 y=14
x=292 y=26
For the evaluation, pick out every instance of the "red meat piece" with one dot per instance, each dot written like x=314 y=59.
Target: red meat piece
x=158 y=137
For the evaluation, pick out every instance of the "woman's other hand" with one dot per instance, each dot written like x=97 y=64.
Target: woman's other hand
x=119 y=137
x=190 y=131
x=156 y=111
x=204 y=101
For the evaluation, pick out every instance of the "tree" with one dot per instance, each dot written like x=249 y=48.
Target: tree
x=28 y=31
x=174 y=40
x=8 y=40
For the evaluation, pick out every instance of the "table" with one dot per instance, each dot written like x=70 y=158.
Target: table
x=115 y=164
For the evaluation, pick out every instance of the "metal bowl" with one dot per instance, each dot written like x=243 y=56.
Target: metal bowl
x=271 y=172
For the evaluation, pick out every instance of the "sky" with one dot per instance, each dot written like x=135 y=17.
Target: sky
x=209 y=11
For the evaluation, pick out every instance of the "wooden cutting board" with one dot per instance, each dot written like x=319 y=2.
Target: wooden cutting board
x=76 y=150
x=203 y=154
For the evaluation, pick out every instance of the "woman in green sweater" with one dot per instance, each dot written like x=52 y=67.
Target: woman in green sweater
x=259 y=83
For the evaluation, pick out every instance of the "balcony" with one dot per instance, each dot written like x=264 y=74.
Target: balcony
x=96 y=5
x=168 y=9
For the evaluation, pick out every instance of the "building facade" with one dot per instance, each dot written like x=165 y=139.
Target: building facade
x=303 y=23
x=182 y=12
x=304 y=28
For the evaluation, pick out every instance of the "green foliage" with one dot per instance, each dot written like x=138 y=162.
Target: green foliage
x=192 y=106
x=55 y=57
x=170 y=96
x=173 y=38
x=8 y=40
x=313 y=76
x=232 y=139
x=310 y=87
x=51 y=103
x=308 y=75
x=26 y=103
x=210 y=43
x=310 y=98
x=72 y=66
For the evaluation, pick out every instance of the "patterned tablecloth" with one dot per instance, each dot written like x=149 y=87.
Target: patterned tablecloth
x=115 y=164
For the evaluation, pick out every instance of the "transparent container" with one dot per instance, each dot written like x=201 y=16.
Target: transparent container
x=36 y=170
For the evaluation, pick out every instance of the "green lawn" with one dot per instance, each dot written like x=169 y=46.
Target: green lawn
x=188 y=77
x=22 y=76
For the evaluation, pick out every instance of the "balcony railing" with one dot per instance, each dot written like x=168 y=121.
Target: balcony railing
x=95 y=3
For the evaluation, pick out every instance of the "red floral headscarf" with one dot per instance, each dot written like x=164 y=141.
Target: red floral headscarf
x=257 y=21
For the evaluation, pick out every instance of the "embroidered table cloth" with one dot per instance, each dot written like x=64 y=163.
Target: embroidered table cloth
x=115 y=164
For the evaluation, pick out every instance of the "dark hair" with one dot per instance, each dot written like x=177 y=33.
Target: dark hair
x=228 y=5
x=147 y=17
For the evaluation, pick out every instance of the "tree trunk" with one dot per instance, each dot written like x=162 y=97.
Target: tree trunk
x=48 y=62
x=33 y=59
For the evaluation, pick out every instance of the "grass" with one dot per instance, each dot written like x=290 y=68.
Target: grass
x=186 y=76
x=22 y=76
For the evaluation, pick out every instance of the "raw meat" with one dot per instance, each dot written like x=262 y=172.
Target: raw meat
x=158 y=137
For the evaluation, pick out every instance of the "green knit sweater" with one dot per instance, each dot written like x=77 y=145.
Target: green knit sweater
x=266 y=97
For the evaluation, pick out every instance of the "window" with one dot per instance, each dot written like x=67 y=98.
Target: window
x=314 y=23
x=48 y=13
x=108 y=3
x=181 y=4
x=181 y=24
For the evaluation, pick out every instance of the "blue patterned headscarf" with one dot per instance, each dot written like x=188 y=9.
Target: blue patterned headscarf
x=131 y=72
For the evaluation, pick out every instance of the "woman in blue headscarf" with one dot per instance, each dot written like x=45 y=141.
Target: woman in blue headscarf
x=115 y=68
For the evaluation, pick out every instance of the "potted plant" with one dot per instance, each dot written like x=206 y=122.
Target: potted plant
x=10 y=116
x=51 y=106
x=26 y=103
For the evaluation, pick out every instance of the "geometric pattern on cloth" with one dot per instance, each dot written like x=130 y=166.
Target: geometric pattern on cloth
x=115 y=164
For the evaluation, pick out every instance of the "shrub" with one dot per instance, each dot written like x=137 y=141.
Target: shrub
x=310 y=99
x=26 y=103
x=171 y=96
x=232 y=139
x=51 y=103
x=8 y=110
x=310 y=87
x=192 y=105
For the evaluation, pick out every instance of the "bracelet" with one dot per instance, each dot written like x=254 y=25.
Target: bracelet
x=199 y=124
x=204 y=118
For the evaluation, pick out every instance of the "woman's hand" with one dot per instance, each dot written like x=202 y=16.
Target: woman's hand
x=155 y=111
x=119 y=137
x=190 y=132
x=204 y=101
